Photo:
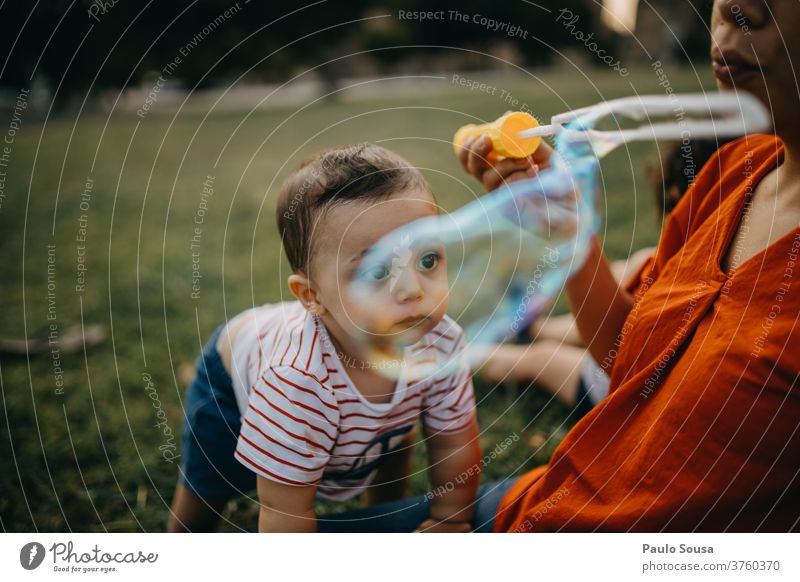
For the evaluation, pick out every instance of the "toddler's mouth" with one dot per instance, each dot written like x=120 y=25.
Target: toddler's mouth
x=411 y=321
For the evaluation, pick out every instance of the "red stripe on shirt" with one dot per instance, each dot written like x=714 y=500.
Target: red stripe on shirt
x=280 y=333
x=359 y=401
x=300 y=347
x=444 y=335
x=443 y=390
x=290 y=433
x=462 y=386
x=380 y=417
x=464 y=392
x=286 y=414
x=349 y=401
x=419 y=349
x=344 y=443
x=263 y=451
x=277 y=442
x=303 y=388
x=298 y=403
x=449 y=420
x=270 y=473
x=354 y=428
x=288 y=344
x=408 y=414
x=313 y=345
x=452 y=429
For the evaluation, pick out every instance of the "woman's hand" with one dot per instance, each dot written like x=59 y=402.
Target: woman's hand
x=475 y=159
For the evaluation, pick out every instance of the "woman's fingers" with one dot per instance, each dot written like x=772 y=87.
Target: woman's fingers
x=474 y=158
x=508 y=170
x=463 y=153
x=541 y=157
x=477 y=156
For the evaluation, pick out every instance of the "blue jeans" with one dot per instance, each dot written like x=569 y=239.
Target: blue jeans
x=405 y=515
x=209 y=468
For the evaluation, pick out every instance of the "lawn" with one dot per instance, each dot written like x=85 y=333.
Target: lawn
x=108 y=220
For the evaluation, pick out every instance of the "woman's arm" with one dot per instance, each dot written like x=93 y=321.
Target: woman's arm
x=600 y=306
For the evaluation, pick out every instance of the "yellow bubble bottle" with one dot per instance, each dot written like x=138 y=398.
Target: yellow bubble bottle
x=504 y=135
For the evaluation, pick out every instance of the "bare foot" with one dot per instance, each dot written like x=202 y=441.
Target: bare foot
x=511 y=363
x=552 y=365
x=186 y=373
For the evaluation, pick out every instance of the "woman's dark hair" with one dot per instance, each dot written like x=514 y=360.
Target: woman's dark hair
x=677 y=166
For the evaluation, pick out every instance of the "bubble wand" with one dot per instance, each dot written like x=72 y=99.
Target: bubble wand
x=728 y=114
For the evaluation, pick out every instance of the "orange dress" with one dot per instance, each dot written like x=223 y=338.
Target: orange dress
x=701 y=428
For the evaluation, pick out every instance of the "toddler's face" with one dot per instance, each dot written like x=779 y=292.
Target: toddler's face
x=405 y=299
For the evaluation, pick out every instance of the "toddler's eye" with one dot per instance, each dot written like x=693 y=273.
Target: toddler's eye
x=375 y=272
x=428 y=261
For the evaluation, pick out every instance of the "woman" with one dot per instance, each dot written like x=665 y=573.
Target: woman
x=701 y=428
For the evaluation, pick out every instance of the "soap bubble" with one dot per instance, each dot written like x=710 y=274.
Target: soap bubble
x=503 y=258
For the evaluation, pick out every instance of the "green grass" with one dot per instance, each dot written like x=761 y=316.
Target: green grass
x=88 y=459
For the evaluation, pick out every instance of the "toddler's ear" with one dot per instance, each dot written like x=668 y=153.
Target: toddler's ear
x=301 y=288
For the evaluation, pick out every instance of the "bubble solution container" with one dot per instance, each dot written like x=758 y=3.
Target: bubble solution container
x=504 y=135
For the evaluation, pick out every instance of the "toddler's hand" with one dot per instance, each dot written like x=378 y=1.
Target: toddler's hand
x=474 y=158
x=434 y=526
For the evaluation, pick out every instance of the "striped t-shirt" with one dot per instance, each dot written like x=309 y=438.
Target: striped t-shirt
x=303 y=420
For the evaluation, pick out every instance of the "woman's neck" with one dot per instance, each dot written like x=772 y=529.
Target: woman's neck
x=788 y=174
x=791 y=162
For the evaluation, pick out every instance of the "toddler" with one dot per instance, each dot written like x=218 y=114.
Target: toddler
x=289 y=398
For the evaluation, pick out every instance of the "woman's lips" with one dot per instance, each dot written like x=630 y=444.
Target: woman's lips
x=731 y=68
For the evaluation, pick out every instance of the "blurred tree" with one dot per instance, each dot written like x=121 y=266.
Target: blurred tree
x=84 y=46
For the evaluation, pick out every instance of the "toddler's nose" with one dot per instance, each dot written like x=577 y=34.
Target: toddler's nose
x=407 y=287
